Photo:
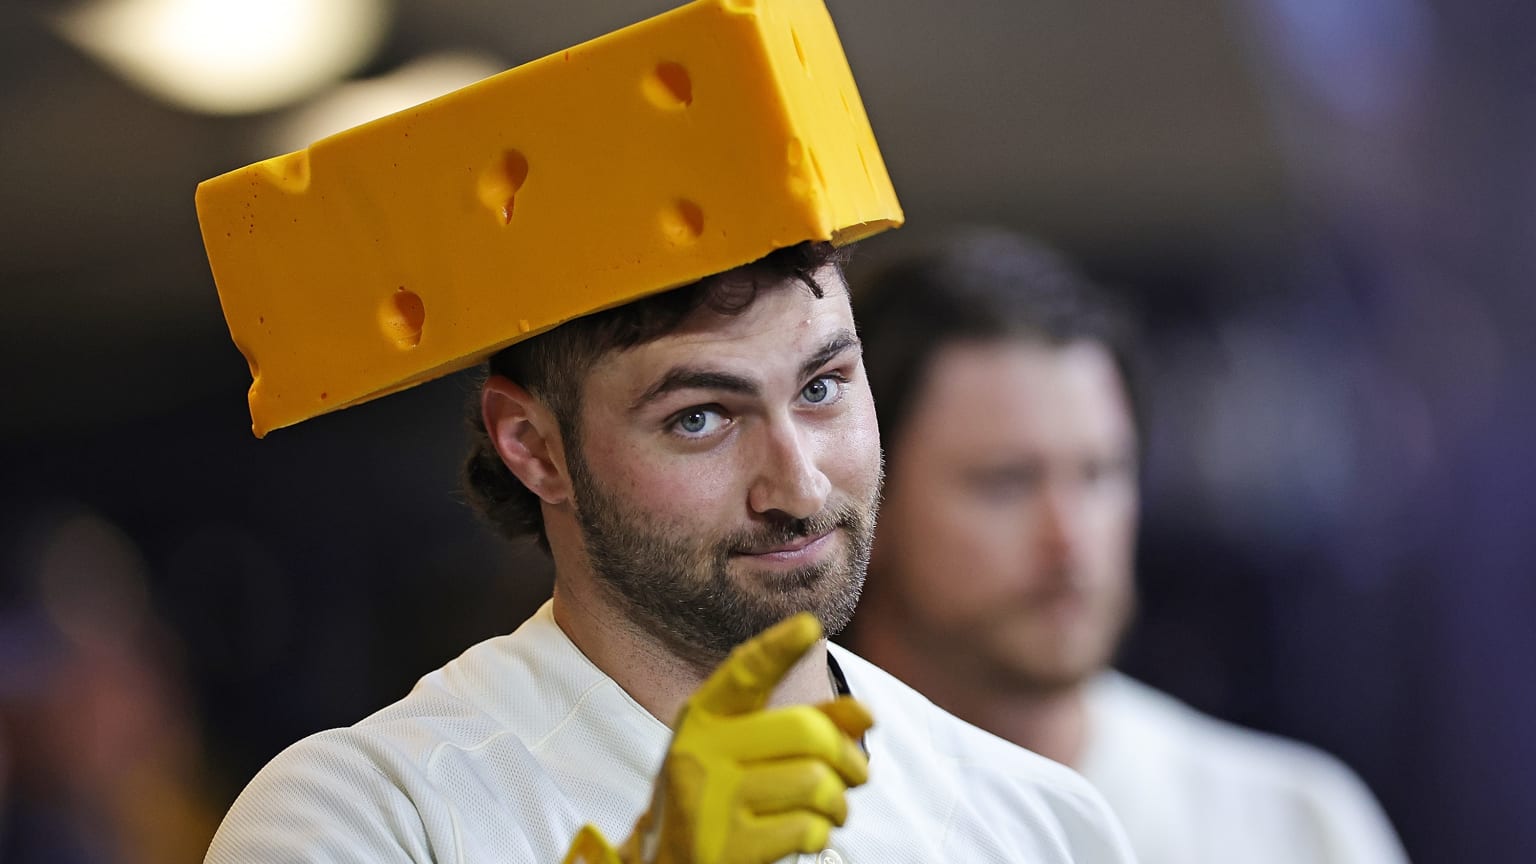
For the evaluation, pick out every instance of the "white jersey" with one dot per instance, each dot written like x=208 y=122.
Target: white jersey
x=1191 y=789
x=504 y=753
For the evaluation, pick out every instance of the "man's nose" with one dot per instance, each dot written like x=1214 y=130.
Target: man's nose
x=1061 y=522
x=789 y=480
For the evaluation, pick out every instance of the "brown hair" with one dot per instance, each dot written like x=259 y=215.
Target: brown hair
x=553 y=366
x=982 y=286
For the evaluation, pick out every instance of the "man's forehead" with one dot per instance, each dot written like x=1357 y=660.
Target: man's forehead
x=1023 y=389
x=783 y=320
x=772 y=295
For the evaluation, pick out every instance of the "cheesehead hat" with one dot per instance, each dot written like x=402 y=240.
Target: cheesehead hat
x=418 y=244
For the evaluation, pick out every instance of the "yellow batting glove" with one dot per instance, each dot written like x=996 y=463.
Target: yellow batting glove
x=744 y=785
x=591 y=847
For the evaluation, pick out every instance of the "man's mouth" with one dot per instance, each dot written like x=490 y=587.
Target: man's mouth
x=792 y=550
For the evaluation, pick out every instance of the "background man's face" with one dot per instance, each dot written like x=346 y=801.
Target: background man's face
x=727 y=474
x=1006 y=538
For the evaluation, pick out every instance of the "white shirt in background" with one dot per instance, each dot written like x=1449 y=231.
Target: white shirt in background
x=1191 y=789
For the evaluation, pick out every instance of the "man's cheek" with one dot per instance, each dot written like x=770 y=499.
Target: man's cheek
x=854 y=451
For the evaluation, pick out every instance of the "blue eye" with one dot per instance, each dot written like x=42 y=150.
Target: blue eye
x=698 y=422
x=693 y=422
x=822 y=390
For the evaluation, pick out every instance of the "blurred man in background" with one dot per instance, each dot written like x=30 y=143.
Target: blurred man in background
x=1001 y=577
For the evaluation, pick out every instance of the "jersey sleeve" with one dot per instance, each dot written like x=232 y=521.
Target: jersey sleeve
x=325 y=800
x=1088 y=828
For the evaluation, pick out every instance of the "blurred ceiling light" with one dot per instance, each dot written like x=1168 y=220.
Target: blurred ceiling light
x=357 y=102
x=229 y=56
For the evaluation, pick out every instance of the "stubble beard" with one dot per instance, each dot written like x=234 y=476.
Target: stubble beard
x=680 y=588
x=1047 y=670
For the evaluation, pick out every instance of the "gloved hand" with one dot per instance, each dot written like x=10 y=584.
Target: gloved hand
x=744 y=785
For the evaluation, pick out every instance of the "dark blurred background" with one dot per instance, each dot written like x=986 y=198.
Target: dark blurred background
x=1324 y=212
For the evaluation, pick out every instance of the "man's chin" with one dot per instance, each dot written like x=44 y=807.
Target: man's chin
x=1045 y=670
x=829 y=592
x=790 y=584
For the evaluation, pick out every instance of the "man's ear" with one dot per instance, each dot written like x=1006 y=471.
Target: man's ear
x=527 y=437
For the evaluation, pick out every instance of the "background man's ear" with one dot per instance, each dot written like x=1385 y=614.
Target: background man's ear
x=527 y=437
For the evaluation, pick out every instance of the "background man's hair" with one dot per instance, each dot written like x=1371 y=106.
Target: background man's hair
x=984 y=286
x=554 y=365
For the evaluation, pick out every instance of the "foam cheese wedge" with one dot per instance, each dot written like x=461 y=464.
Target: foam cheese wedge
x=420 y=243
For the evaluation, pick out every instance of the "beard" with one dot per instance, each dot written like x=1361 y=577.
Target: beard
x=1028 y=651
x=679 y=586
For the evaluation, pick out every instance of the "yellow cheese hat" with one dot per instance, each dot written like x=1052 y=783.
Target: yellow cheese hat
x=420 y=243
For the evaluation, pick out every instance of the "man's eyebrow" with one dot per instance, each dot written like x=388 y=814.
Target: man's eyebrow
x=839 y=342
x=692 y=378
x=688 y=378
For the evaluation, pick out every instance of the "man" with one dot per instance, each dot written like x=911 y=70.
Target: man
x=700 y=464
x=1001 y=577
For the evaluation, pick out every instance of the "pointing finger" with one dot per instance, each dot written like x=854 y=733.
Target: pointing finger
x=746 y=679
